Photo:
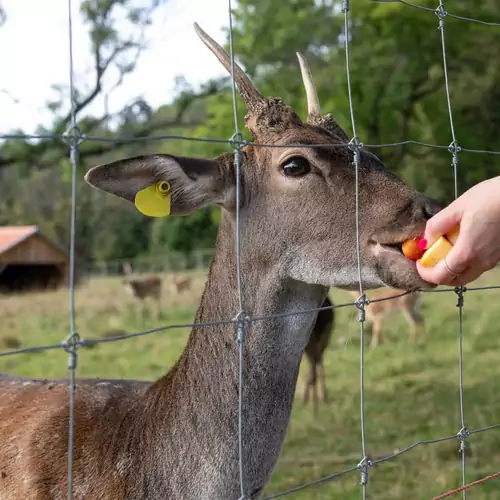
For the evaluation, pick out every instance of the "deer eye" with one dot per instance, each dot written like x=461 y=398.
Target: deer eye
x=296 y=167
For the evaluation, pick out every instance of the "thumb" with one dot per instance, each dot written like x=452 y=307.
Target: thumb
x=443 y=222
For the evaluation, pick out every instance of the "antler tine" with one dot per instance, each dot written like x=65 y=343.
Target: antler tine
x=247 y=89
x=313 y=108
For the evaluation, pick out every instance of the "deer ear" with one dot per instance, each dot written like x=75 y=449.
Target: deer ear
x=195 y=182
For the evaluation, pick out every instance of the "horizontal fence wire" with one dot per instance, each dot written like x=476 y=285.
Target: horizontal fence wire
x=249 y=319
x=74 y=138
x=448 y=14
x=232 y=142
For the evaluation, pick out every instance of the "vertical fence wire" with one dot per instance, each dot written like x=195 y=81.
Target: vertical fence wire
x=355 y=148
x=454 y=149
x=241 y=323
x=71 y=343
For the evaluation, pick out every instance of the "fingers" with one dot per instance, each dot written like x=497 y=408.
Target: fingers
x=448 y=272
x=443 y=222
x=439 y=274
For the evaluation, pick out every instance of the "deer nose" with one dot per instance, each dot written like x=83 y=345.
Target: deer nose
x=430 y=207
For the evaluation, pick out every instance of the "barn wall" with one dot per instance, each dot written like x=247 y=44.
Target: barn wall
x=30 y=277
x=33 y=264
x=34 y=250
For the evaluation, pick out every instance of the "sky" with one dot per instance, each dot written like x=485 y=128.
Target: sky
x=35 y=50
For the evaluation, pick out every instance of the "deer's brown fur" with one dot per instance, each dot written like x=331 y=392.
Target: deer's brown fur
x=181 y=283
x=315 y=351
x=149 y=286
x=141 y=287
x=177 y=437
x=408 y=304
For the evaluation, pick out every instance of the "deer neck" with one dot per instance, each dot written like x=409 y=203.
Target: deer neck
x=204 y=382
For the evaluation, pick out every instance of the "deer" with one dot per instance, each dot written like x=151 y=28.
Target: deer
x=141 y=288
x=409 y=304
x=181 y=283
x=314 y=352
x=177 y=437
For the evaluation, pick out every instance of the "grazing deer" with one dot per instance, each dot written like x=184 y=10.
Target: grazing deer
x=177 y=437
x=314 y=351
x=141 y=288
x=409 y=304
x=181 y=283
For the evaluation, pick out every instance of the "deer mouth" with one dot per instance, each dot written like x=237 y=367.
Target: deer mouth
x=395 y=247
x=392 y=247
x=394 y=244
x=395 y=269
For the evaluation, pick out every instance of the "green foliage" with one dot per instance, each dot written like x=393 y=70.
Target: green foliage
x=398 y=94
x=184 y=234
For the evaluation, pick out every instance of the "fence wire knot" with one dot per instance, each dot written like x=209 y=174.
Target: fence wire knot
x=71 y=344
x=454 y=148
x=73 y=136
x=459 y=290
x=361 y=302
x=238 y=157
x=241 y=320
x=236 y=141
x=355 y=144
x=363 y=467
x=441 y=13
x=463 y=435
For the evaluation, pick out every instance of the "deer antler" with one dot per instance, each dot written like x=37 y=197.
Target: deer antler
x=313 y=108
x=247 y=89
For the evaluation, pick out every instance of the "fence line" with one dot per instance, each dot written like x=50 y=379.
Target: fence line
x=355 y=147
x=238 y=141
x=454 y=149
x=73 y=138
x=171 y=261
x=71 y=344
x=241 y=316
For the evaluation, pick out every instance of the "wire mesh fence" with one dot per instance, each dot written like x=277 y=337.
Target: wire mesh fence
x=242 y=318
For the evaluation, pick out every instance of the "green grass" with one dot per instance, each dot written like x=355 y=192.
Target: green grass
x=411 y=390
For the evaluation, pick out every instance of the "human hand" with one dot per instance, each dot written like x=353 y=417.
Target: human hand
x=477 y=248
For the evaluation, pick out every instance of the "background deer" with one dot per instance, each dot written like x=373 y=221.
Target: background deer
x=181 y=283
x=143 y=287
x=314 y=352
x=177 y=437
x=409 y=305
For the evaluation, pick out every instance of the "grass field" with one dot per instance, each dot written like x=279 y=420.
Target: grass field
x=411 y=390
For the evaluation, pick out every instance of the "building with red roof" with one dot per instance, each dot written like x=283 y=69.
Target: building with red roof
x=29 y=260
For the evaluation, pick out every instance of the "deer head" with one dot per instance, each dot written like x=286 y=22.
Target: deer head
x=127 y=269
x=297 y=204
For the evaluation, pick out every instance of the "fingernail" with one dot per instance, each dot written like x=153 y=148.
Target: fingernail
x=422 y=244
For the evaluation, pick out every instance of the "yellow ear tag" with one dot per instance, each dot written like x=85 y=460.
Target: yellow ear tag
x=154 y=200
